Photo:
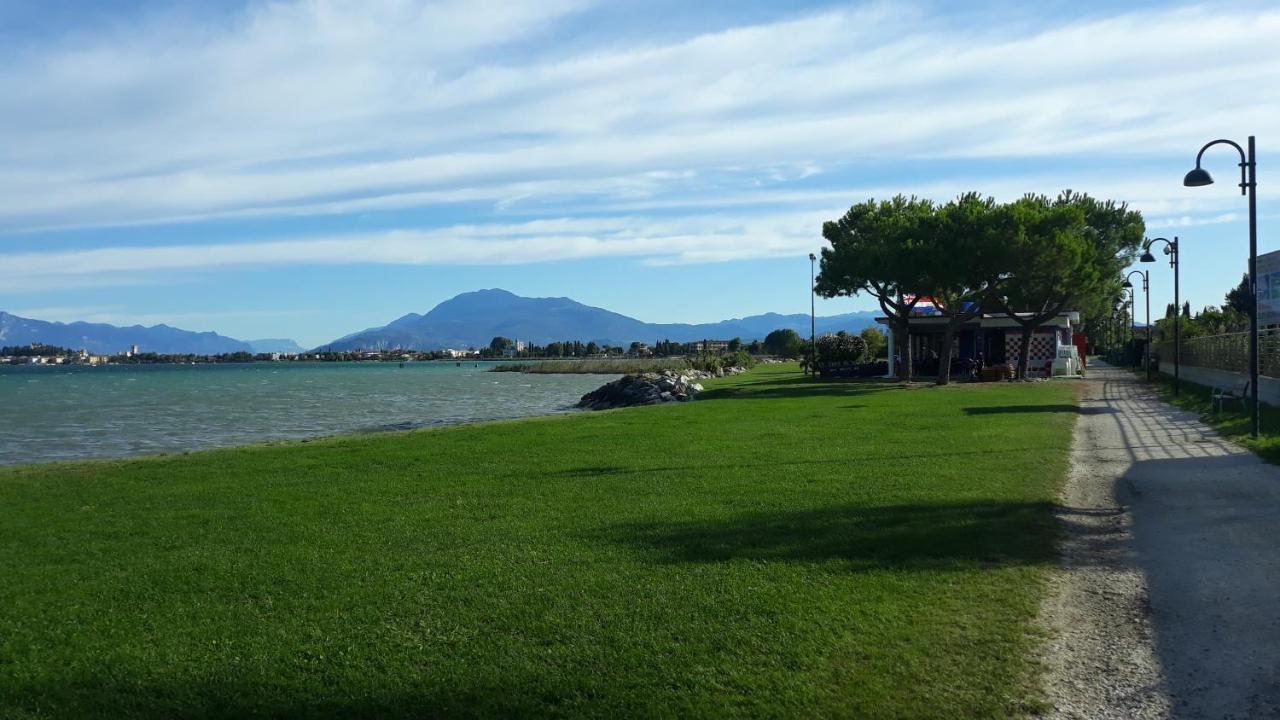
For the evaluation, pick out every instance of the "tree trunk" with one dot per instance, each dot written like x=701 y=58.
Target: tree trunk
x=944 y=357
x=902 y=335
x=1024 y=352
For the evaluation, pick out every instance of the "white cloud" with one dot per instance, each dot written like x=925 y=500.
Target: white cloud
x=338 y=107
x=119 y=315
x=715 y=228
x=704 y=239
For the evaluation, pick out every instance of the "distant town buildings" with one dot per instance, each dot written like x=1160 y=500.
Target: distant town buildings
x=88 y=359
x=41 y=354
x=712 y=345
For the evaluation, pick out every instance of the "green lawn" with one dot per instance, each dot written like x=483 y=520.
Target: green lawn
x=595 y=366
x=777 y=548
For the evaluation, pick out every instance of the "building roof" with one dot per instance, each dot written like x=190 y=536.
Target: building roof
x=991 y=320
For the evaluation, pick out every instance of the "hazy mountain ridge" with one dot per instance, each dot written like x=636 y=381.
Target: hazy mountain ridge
x=473 y=319
x=467 y=320
x=104 y=339
x=275 y=345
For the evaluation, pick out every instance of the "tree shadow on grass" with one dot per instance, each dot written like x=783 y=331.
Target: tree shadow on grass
x=808 y=381
x=1014 y=409
x=116 y=694
x=781 y=465
x=925 y=536
x=798 y=387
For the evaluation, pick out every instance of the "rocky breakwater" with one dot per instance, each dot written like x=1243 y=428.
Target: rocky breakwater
x=650 y=389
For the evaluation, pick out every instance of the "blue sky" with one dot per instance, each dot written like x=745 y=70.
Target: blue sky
x=306 y=169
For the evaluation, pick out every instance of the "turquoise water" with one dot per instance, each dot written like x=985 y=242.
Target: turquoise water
x=66 y=413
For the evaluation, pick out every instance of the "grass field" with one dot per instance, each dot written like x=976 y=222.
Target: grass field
x=619 y=366
x=779 y=547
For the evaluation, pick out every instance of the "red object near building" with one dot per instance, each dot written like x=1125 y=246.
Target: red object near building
x=1081 y=341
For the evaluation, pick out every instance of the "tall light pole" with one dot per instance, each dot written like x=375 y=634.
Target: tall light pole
x=813 y=319
x=1146 y=292
x=1111 y=332
x=1117 y=317
x=1199 y=177
x=1170 y=249
x=1130 y=315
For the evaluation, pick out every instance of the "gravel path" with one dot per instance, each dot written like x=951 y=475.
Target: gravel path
x=1168 y=600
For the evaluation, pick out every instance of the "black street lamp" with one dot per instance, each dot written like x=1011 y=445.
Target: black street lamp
x=1170 y=249
x=1248 y=186
x=813 y=319
x=1111 y=333
x=1121 y=310
x=1115 y=338
x=1146 y=292
x=1131 y=316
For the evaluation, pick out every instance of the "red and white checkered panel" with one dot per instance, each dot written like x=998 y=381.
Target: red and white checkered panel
x=1044 y=348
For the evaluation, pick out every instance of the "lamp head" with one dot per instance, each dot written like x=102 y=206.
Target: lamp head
x=812 y=257
x=1147 y=257
x=1127 y=285
x=1198 y=178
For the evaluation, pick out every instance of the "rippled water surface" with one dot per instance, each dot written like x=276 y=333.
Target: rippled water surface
x=64 y=413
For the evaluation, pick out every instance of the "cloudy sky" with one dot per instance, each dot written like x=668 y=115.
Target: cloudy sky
x=305 y=169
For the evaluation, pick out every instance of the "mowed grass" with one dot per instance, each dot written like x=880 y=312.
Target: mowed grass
x=780 y=547
x=595 y=366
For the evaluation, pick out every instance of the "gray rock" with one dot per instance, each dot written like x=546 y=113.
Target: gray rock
x=645 y=389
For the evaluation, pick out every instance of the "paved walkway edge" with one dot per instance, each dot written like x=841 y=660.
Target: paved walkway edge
x=1100 y=660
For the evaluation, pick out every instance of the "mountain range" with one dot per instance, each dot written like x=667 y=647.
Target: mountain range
x=275 y=345
x=473 y=319
x=104 y=339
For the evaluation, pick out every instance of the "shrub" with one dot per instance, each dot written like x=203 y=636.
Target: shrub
x=784 y=343
x=877 y=343
x=841 y=347
x=705 y=362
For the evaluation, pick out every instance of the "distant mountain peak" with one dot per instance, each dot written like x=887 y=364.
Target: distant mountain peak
x=108 y=339
x=275 y=345
x=472 y=319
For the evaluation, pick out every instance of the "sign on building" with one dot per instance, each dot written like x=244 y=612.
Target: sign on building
x=1269 y=288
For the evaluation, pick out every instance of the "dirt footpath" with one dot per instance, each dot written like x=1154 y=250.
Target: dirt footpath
x=1168 y=600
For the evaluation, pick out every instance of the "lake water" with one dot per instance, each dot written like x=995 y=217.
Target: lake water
x=65 y=413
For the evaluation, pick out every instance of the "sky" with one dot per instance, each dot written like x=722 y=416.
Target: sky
x=308 y=169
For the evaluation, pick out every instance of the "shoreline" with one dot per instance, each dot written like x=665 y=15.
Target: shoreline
x=390 y=429
x=73 y=416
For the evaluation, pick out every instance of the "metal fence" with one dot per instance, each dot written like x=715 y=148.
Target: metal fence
x=1227 y=352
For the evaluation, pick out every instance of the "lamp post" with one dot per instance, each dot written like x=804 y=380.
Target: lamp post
x=1133 y=313
x=1170 y=249
x=1120 y=313
x=1112 y=332
x=1146 y=292
x=1111 y=335
x=1117 y=315
x=813 y=320
x=1199 y=177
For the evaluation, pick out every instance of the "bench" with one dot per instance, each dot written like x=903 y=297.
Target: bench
x=1224 y=393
